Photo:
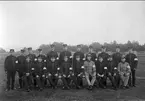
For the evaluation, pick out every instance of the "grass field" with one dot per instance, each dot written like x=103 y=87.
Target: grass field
x=133 y=94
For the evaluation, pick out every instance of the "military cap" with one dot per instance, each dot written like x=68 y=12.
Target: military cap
x=12 y=50
x=52 y=45
x=22 y=50
x=64 y=45
x=30 y=48
x=39 y=50
x=90 y=46
x=79 y=46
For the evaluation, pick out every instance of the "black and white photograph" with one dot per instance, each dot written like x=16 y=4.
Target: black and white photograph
x=72 y=50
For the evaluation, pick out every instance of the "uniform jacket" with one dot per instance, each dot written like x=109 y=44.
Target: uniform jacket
x=63 y=54
x=130 y=58
x=100 y=67
x=10 y=63
x=39 y=69
x=21 y=63
x=123 y=67
x=65 y=68
x=77 y=67
x=117 y=58
x=52 y=67
x=89 y=67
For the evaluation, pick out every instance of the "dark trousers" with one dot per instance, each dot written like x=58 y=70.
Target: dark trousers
x=100 y=81
x=21 y=82
x=53 y=80
x=111 y=79
x=67 y=80
x=38 y=81
x=10 y=79
x=28 y=82
x=132 y=78
x=117 y=80
x=79 y=81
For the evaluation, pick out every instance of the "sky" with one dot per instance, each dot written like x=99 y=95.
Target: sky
x=32 y=23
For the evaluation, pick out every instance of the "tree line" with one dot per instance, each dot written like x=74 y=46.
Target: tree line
x=96 y=46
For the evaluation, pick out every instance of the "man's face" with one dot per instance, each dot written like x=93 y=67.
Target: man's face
x=110 y=59
x=65 y=59
x=90 y=49
x=130 y=50
x=29 y=51
x=52 y=59
x=100 y=59
x=117 y=49
x=11 y=53
x=40 y=52
x=123 y=59
x=52 y=48
x=103 y=49
x=78 y=58
x=78 y=49
x=89 y=58
x=65 y=48
x=39 y=59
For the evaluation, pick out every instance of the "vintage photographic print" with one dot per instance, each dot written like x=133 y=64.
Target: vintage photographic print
x=72 y=50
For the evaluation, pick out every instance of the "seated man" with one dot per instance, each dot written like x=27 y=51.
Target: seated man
x=67 y=73
x=53 y=72
x=124 y=71
x=90 y=71
x=79 y=71
x=101 y=71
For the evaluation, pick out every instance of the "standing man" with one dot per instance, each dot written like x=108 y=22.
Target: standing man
x=93 y=55
x=10 y=69
x=117 y=56
x=132 y=59
x=33 y=60
x=78 y=53
x=104 y=55
x=52 y=53
x=21 y=67
x=64 y=53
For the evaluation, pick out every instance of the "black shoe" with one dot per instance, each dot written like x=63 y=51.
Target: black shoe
x=134 y=85
x=78 y=87
x=127 y=87
x=7 y=90
x=40 y=89
x=91 y=87
x=28 y=90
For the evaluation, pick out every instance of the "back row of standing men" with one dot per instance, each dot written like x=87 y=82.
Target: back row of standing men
x=36 y=70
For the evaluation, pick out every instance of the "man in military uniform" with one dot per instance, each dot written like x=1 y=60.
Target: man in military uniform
x=79 y=71
x=33 y=59
x=90 y=71
x=52 y=68
x=93 y=55
x=28 y=77
x=104 y=55
x=78 y=53
x=21 y=67
x=64 y=53
x=52 y=53
x=10 y=69
x=132 y=59
x=101 y=66
x=117 y=56
x=67 y=72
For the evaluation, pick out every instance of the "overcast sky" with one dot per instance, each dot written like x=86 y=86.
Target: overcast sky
x=32 y=23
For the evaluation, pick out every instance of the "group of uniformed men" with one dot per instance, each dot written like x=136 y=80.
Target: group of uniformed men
x=36 y=71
